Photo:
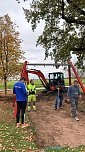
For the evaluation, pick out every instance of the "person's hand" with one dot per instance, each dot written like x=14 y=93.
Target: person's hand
x=27 y=94
x=68 y=100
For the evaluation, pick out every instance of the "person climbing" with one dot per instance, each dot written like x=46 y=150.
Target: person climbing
x=73 y=94
x=59 y=97
x=21 y=99
x=32 y=95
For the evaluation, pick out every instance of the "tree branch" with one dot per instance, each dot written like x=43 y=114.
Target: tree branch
x=80 y=49
x=70 y=19
x=76 y=7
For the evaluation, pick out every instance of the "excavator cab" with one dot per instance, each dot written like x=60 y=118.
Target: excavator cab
x=55 y=79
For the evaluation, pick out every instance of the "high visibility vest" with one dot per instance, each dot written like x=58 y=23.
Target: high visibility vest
x=31 y=89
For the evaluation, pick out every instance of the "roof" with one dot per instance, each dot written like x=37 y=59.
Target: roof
x=56 y=73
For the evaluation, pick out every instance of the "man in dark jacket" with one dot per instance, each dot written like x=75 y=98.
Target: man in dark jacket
x=59 y=96
x=21 y=98
x=73 y=94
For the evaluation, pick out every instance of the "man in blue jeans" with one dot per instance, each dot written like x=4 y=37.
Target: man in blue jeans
x=21 y=99
x=59 y=97
x=73 y=94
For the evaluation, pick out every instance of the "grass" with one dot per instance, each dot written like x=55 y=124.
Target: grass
x=9 y=84
x=66 y=149
x=37 y=83
x=67 y=81
x=12 y=138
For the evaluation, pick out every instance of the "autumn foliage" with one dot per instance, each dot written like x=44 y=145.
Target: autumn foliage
x=10 y=50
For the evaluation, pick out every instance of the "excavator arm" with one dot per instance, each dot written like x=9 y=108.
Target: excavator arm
x=40 y=75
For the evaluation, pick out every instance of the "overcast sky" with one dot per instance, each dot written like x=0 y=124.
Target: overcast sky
x=15 y=11
x=33 y=54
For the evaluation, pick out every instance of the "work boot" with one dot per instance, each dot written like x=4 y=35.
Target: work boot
x=34 y=108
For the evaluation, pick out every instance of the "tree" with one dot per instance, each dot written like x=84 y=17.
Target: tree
x=64 y=30
x=10 y=50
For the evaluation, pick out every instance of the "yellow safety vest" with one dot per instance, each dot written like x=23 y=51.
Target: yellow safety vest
x=31 y=89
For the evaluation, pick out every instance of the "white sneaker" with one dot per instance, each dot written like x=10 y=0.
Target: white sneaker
x=25 y=125
x=76 y=118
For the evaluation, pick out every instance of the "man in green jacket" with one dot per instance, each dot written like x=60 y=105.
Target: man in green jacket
x=32 y=95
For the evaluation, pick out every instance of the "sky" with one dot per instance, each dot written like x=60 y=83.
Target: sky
x=15 y=11
x=33 y=54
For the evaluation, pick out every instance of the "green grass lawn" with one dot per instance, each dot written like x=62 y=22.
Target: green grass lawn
x=12 y=138
x=9 y=84
x=67 y=81
x=37 y=83
x=66 y=149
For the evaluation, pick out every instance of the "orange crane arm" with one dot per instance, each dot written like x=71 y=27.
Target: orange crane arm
x=40 y=75
x=77 y=76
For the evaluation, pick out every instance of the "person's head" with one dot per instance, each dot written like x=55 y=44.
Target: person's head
x=32 y=81
x=75 y=82
x=23 y=79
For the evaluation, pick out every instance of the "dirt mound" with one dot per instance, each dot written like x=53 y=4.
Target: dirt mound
x=56 y=127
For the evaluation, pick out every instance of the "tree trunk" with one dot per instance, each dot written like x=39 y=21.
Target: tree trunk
x=5 y=84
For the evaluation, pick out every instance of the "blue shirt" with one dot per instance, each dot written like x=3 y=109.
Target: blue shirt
x=73 y=91
x=20 y=90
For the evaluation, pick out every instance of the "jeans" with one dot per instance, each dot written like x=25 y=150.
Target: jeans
x=57 y=101
x=74 y=105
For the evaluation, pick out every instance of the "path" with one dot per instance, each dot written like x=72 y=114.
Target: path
x=56 y=127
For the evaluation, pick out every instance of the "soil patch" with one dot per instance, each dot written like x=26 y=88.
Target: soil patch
x=56 y=127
